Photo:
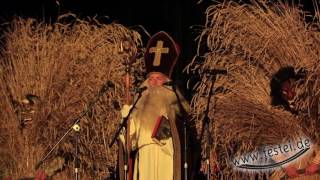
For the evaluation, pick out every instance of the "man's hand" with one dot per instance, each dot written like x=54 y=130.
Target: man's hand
x=40 y=175
x=291 y=171
x=312 y=169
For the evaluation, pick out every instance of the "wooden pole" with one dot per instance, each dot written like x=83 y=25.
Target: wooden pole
x=128 y=98
x=128 y=140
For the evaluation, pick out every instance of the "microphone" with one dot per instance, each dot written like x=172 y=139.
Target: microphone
x=169 y=83
x=116 y=105
x=106 y=86
x=110 y=84
x=140 y=90
x=214 y=71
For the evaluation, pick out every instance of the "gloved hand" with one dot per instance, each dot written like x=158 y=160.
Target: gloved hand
x=167 y=146
x=125 y=110
x=124 y=113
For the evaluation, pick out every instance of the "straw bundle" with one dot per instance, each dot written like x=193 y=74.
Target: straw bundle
x=241 y=126
x=253 y=41
x=62 y=67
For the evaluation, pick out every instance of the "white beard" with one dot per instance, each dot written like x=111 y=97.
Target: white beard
x=155 y=101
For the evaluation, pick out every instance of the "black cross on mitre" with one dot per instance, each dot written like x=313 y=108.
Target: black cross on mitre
x=161 y=54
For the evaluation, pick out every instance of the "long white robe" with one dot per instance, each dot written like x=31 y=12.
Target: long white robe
x=153 y=161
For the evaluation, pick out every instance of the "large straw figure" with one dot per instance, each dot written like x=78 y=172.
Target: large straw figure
x=49 y=75
x=255 y=42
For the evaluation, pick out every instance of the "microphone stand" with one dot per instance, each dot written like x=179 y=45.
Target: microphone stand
x=185 y=165
x=75 y=126
x=206 y=124
x=117 y=132
x=206 y=120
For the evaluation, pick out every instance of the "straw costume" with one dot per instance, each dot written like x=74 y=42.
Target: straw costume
x=49 y=74
x=253 y=42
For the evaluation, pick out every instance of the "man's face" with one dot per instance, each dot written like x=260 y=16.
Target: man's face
x=156 y=79
x=288 y=90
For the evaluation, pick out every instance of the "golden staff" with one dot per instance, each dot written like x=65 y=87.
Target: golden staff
x=128 y=98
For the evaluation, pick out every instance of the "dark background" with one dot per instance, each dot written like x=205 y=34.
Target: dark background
x=182 y=19
x=172 y=16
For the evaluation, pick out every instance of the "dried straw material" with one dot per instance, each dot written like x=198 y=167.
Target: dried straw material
x=252 y=42
x=62 y=67
x=241 y=126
